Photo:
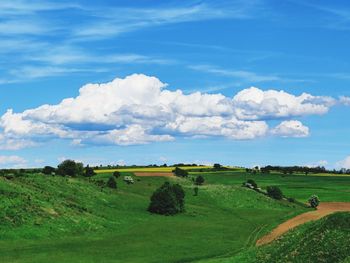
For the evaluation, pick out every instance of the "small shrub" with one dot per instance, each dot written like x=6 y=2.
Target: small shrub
x=252 y=182
x=274 y=192
x=291 y=199
x=199 y=180
x=116 y=174
x=167 y=200
x=9 y=176
x=48 y=170
x=89 y=171
x=314 y=201
x=180 y=172
x=112 y=183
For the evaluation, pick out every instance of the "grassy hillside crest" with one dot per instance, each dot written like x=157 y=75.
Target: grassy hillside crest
x=63 y=219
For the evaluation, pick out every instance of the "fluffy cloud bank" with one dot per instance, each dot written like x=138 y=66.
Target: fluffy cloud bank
x=139 y=109
x=253 y=104
x=344 y=100
x=291 y=129
x=344 y=163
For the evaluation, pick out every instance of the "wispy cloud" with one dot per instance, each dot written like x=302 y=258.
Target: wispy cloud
x=120 y=20
x=42 y=45
x=23 y=27
x=69 y=54
x=240 y=74
x=244 y=75
x=338 y=16
x=35 y=72
x=20 y=7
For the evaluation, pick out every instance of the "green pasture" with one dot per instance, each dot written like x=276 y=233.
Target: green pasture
x=149 y=169
x=301 y=187
x=60 y=219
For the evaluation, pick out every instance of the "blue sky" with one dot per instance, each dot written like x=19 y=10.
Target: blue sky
x=50 y=49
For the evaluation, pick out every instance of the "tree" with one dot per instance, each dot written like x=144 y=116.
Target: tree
x=199 y=180
x=274 y=192
x=217 y=166
x=116 y=174
x=70 y=168
x=169 y=199
x=180 y=172
x=112 y=183
x=314 y=201
x=89 y=171
x=48 y=170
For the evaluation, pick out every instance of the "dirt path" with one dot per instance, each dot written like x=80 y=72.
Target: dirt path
x=323 y=209
x=167 y=174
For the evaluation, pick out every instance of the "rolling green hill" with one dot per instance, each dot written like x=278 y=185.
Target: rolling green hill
x=61 y=219
x=326 y=240
x=329 y=188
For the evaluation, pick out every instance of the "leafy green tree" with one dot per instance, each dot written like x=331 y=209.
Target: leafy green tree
x=199 y=180
x=89 y=171
x=274 y=192
x=112 y=183
x=48 y=170
x=217 y=166
x=314 y=201
x=180 y=172
x=70 y=168
x=116 y=174
x=180 y=195
x=169 y=199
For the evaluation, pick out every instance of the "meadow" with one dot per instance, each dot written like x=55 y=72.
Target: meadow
x=150 y=169
x=60 y=219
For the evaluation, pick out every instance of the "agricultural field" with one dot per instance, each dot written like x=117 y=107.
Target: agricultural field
x=150 y=169
x=46 y=218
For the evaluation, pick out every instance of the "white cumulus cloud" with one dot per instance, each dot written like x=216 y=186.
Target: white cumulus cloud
x=344 y=100
x=291 y=128
x=344 y=163
x=139 y=109
x=255 y=104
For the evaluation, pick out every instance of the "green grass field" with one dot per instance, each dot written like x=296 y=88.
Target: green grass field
x=328 y=188
x=326 y=240
x=150 y=169
x=59 y=219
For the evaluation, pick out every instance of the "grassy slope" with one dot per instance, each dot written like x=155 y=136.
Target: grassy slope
x=55 y=219
x=326 y=240
x=150 y=169
x=328 y=188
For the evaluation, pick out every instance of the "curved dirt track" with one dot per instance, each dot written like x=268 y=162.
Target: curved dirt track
x=323 y=209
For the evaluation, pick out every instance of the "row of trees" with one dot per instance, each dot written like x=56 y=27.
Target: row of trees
x=69 y=168
x=300 y=169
